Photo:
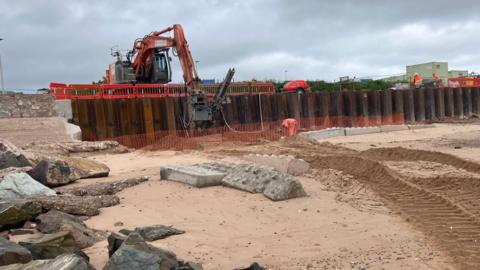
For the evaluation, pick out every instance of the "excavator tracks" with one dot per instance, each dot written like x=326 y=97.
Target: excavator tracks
x=447 y=213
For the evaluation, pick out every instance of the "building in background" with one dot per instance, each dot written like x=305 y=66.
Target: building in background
x=457 y=73
x=427 y=70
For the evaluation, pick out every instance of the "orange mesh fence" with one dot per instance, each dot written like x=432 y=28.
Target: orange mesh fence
x=243 y=133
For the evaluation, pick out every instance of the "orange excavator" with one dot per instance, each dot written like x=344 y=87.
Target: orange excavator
x=149 y=62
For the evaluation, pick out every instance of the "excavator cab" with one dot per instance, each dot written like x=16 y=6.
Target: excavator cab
x=161 y=72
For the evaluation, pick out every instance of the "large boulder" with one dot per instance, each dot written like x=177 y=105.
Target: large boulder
x=49 y=246
x=11 y=156
x=273 y=184
x=155 y=232
x=136 y=254
x=16 y=212
x=17 y=185
x=63 y=170
x=77 y=205
x=87 y=168
x=11 y=252
x=55 y=221
x=53 y=173
x=62 y=262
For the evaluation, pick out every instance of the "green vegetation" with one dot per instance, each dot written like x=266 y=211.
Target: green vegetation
x=326 y=86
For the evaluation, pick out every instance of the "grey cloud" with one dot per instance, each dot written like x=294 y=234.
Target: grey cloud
x=69 y=41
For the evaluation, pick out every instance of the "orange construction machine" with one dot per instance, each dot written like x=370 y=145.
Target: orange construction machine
x=149 y=62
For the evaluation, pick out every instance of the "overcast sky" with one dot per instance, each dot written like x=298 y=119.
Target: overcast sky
x=70 y=41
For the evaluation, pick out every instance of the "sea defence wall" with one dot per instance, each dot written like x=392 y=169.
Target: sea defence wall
x=18 y=105
x=112 y=118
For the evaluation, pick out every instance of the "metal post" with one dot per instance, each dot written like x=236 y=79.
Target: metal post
x=1 y=73
x=1 y=76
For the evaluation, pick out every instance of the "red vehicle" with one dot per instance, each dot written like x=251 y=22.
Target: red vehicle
x=299 y=86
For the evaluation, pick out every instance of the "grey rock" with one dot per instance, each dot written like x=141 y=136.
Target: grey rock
x=62 y=262
x=253 y=266
x=273 y=184
x=155 y=232
x=63 y=170
x=114 y=242
x=77 y=205
x=11 y=253
x=188 y=266
x=56 y=221
x=53 y=173
x=49 y=246
x=10 y=170
x=136 y=254
x=16 y=212
x=11 y=156
x=17 y=185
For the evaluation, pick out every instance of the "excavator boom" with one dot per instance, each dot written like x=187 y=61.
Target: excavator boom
x=149 y=62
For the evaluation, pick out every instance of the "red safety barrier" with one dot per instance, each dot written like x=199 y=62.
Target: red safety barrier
x=463 y=82
x=113 y=91
x=59 y=90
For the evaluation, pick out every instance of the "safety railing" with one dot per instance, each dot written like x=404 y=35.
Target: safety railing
x=116 y=91
x=463 y=82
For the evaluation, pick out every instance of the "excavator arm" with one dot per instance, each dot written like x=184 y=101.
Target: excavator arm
x=143 y=53
x=149 y=62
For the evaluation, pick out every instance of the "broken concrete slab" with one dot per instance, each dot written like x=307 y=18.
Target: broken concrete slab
x=361 y=131
x=273 y=184
x=192 y=175
x=282 y=163
x=77 y=205
x=17 y=185
x=324 y=133
x=105 y=188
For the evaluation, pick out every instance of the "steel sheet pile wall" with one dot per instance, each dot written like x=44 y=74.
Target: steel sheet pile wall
x=112 y=118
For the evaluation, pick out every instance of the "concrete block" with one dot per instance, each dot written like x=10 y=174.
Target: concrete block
x=192 y=175
x=361 y=131
x=324 y=134
x=390 y=128
x=63 y=108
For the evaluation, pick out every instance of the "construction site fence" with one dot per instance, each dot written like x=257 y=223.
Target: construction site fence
x=241 y=133
x=463 y=82
x=63 y=91
x=255 y=117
